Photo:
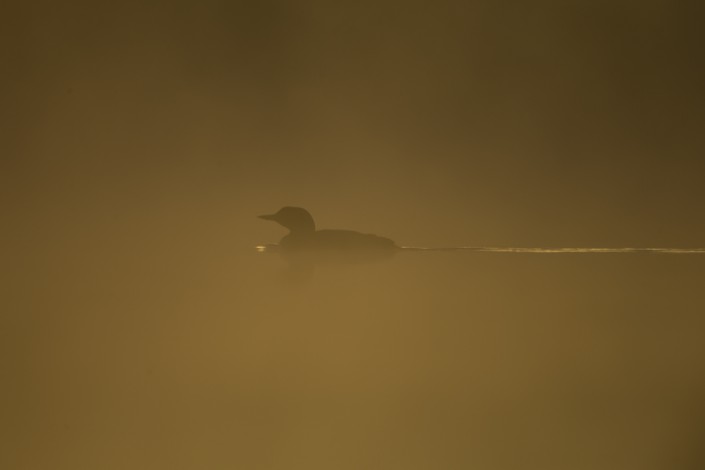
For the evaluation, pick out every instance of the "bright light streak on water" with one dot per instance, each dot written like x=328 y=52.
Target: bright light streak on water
x=487 y=249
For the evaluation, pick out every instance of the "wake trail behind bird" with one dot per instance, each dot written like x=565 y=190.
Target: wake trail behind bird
x=490 y=249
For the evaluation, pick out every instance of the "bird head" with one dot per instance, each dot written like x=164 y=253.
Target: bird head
x=295 y=219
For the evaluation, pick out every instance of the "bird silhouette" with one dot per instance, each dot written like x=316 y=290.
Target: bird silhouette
x=304 y=247
x=303 y=238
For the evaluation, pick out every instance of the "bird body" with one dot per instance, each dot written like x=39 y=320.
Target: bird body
x=303 y=238
x=336 y=240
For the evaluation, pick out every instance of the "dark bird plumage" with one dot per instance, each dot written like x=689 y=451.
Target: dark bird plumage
x=304 y=238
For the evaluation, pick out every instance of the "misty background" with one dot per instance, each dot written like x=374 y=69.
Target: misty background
x=140 y=141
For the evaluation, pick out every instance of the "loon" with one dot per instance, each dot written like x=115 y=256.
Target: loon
x=303 y=238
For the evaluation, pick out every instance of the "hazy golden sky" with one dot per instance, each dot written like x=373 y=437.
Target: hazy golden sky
x=528 y=123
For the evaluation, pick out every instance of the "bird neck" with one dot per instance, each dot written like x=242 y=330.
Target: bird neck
x=301 y=225
x=302 y=230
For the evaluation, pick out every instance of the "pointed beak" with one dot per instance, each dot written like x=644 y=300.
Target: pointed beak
x=268 y=217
